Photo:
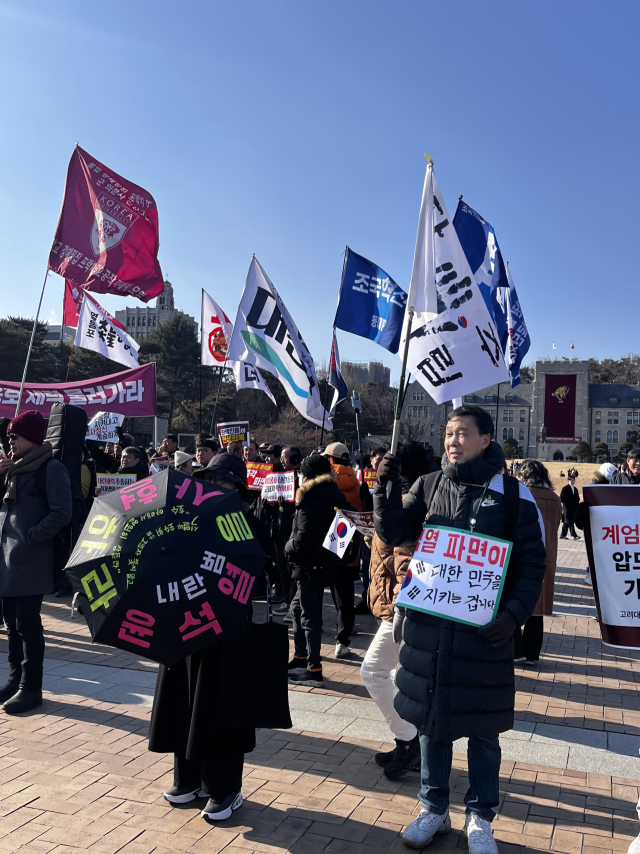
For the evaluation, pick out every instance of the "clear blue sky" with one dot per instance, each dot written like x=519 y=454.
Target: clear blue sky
x=290 y=129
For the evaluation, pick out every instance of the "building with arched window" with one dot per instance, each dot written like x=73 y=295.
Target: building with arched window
x=141 y=320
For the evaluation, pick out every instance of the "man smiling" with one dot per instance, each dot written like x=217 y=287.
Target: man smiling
x=455 y=679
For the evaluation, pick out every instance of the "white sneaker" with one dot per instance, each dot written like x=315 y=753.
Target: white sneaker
x=634 y=848
x=342 y=651
x=421 y=831
x=479 y=835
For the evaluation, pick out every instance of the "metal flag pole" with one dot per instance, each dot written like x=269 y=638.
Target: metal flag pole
x=324 y=408
x=33 y=335
x=400 y=397
x=215 y=405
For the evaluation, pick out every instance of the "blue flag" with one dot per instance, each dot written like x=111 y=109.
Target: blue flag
x=371 y=304
x=518 y=340
x=479 y=243
x=336 y=380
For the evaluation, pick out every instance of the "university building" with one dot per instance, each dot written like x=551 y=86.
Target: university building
x=140 y=320
x=547 y=417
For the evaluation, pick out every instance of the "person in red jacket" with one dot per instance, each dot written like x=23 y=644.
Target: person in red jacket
x=343 y=591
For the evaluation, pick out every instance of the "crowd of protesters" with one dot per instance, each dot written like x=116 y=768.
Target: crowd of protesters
x=433 y=679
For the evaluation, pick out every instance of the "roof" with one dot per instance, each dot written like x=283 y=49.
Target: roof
x=601 y=394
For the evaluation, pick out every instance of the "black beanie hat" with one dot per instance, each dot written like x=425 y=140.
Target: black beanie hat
x=315 y=466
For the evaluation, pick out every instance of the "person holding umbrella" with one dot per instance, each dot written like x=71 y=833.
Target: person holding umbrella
x=195 y=709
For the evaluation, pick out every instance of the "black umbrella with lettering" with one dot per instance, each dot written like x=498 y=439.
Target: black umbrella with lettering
x=165 y=566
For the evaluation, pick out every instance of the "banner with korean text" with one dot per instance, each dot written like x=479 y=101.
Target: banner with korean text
x=131 y=393
x=114 y=482
x=233 y=431
x=279 y=485
x=103 y=427
x=612 y=537
x=456 y=575
x=257 y=474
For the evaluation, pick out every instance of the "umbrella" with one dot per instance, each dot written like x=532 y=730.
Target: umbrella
x=165 y=566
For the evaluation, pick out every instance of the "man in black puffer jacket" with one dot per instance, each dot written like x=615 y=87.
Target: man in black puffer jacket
x=312 y=566
x=457 y=680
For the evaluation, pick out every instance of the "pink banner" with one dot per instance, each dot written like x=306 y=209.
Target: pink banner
x=131 y=393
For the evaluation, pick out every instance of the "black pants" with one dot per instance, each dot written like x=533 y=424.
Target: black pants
x=570 y=526
x=306 y=610
x=26 y=640
x=287 y=584
x=216 y=777
x=528 y=641
x=343 y=592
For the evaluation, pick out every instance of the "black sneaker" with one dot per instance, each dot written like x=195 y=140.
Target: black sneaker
x=297 y=665
x=312 y=678
x=387 y=756
x=183 y=796
x=407 y=759
x=8 y=691
x=219 y=810
x=23 y=701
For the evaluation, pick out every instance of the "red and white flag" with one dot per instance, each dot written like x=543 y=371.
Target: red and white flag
x=73 y=297
x=216 y=330
x=107 y=234
x=98 y=332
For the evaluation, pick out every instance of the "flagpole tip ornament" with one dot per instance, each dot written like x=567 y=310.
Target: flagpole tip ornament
x=429 y=159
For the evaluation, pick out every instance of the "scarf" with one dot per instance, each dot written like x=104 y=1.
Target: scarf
x=30 y=462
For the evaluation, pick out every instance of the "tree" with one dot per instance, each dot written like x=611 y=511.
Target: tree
x=15 y=334
x=625 y=370
x=526 y=374
x=625 y=447
x=582 y=452
x=510 y=449
x=601 y=451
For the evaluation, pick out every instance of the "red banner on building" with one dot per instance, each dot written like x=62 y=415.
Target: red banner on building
x=560 y=406
x=131 y=393
x=107 y=234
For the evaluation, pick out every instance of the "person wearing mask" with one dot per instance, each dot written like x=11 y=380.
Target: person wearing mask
x=183 y=462
x=570 y=498
x=528 y=641
x=457 y=680
x=35 y=491
x=206 y=450
x=378 y=671
x=311 y=565
x=343 y=590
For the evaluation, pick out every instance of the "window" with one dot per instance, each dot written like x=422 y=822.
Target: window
x=597 y=436
x=629 y=417
x=144 y=319
x=139 y=320
x=636 y=418
x=612 y=418
x=511 y=432
x=505 y=434
x=521 y=436
x=609 y=437
x=508 y=415
x=154 y=319
x=469 y=398
x=432 y=430
x=613 y=401
x=615 y=437
x=510 y=398
x=598 y=414
x=635 y=401
x=523 y=416
x=489 y=398
x=631 y=435
x=493 y=415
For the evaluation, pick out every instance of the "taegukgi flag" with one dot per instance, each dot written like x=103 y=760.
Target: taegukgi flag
x=339 y=534
x=98 y=333
x=458 y=350
x=336 y=380
x=216 y=330
x=107 y=234
x=371 y=304
x=264 y=335
x=518 y=335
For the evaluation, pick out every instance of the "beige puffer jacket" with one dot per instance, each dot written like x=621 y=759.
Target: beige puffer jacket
x=387 y=570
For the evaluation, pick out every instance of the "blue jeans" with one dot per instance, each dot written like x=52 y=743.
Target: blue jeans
x=483 y=760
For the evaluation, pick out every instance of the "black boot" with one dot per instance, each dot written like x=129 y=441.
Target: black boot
x=23 y=701
x=9 y=690
x=389 y=756
x=407 y=759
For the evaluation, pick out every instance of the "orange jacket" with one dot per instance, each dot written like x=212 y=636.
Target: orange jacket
x=348 y=484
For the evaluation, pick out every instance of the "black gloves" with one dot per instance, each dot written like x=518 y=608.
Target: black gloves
x=498 y=631
x=389 y=470
x=398 y=622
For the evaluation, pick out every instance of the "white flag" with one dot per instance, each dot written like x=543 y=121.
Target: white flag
x=98 y=333
x=264 y=335
x=248 y=376
x=457 y=351
x=215 y=330
x=423 y=297
x=339 y=534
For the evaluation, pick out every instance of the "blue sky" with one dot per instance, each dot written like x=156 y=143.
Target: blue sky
x=290 y=129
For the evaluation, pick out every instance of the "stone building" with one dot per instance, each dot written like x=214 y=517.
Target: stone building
x=140 y=320
x=365 y=372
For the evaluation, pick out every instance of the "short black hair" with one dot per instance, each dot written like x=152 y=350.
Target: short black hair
x=137 y=453
x=633 y=454
x=171 y=436
x=207 y=443
x=484 y=422
x=378 y=452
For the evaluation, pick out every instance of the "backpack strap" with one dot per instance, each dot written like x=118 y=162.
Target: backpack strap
x=511 y=502
x=431 y=483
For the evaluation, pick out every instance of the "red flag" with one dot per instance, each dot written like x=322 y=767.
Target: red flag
x=572 y=346
x=72 y=303
x=107 y=234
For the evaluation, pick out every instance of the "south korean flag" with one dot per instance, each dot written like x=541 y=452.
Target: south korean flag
x=339 y=535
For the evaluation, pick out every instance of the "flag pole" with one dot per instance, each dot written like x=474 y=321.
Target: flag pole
x=215 y=405
x=33 y=335
x=324 y=409
x=400 y=397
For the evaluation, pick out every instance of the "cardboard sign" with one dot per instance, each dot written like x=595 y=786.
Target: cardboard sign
x=233 y=431
x=279 y=485
x=613 y=545
x=257 y=474
x=113 y=482
x=457 y=575
x=102 y=427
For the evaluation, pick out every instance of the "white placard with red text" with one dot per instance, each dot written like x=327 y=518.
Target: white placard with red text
x=615 y=539
x=456 y=574
x=279 y=485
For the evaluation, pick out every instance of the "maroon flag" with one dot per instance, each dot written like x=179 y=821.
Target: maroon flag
x=73 y=303
x=107 y=234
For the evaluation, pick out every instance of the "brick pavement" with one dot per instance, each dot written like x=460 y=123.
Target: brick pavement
x=76 y=776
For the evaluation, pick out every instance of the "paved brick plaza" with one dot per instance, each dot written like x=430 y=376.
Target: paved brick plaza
x=76 y=775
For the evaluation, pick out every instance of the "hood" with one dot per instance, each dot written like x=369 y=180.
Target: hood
x=478 y=471
x=306 y=487
x=607 y=470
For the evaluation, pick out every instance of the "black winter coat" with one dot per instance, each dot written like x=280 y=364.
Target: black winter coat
x=451 y=682
x=316 y=503
x=570 y=499
x=624 y=477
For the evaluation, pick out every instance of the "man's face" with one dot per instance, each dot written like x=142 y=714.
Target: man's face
x=285 y=459
x=249 y=454
x=271 y=459
x=20 y=446
x=634 y=466
x=375 y=461
x=463 y=441
x=204 y=455
x=128 y=460
x=168 y=446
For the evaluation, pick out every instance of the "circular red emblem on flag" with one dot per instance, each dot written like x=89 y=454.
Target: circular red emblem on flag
x=342 y=530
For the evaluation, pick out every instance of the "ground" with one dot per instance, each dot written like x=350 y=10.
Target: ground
x=585 y=473
x=76 y=776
